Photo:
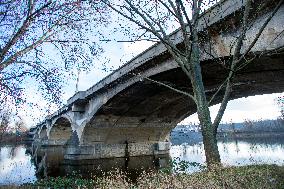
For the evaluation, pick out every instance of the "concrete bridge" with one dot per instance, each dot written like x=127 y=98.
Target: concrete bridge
x=126 y=115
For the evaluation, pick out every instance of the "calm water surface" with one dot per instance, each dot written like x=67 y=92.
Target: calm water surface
x=238 y=152
x=16 y=166
x=19 y=164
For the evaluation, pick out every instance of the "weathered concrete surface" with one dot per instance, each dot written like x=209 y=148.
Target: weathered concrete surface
x=43 y=132
x=102 y=150
x=49 y=161
x=125 y=109
x=60 y=132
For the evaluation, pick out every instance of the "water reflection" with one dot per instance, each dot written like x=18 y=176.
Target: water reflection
x=234 y=152
x=15 y=166
x=49 y=161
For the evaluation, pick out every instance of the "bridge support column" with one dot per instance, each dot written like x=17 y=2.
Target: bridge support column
x=101 y=150
x=54 y=142
x=103 y=140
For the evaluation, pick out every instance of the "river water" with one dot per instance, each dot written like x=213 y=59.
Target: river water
x=19 y=164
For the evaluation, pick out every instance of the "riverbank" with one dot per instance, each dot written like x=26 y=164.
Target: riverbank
x=192 y=137
x=252 y=176
x=249 y=135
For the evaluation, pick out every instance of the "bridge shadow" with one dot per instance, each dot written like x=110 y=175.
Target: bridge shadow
x=49 y=162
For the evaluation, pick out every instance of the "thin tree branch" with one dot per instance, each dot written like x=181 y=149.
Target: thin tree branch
x=218 y=90
x=236 y=58
x=167 y=43
x=172 y=88
x=260 y=31
x=236 y=55
x=15 y=76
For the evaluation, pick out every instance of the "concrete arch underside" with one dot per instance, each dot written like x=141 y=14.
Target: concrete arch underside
x=146 y=111
x=43 y=133
x=60 y=131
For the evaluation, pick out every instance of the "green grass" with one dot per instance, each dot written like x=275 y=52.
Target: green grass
x=250 y=177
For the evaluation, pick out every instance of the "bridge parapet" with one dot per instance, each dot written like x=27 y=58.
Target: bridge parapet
x=79 y=96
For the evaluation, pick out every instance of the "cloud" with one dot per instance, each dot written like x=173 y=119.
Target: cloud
x=133 y=49
x=254 y=102
x=253 y=108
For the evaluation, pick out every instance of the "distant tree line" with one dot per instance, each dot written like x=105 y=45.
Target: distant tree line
x=10 y=124
x=247 y=125
x=254 y=126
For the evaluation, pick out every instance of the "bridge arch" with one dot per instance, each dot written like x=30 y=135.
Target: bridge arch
x=43 y=132
x=146 y=111
x=37 y=133
x=61 y=130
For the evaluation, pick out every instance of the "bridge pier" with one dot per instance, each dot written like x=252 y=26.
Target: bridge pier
x=54 y=142
x=99 y=143
x=101 y=150
x=49 y=161
x=105 y=138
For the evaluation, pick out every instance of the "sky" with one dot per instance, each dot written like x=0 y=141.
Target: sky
x=118 y=53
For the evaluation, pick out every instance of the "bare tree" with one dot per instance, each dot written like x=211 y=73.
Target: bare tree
x=34 y=32
x=154 y=19
x=5 y=119
x=20 y=125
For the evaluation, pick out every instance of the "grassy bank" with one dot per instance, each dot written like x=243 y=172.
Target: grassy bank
x=254 y=176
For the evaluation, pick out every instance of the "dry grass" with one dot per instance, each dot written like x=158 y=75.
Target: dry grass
x=250 y=177
x=255 y=176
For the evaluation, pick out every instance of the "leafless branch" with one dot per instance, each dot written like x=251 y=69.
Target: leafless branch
x=172 y=88
x=235 y=58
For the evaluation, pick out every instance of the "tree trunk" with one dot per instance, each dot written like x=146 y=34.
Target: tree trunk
x=208 y=130
x=210 y=145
